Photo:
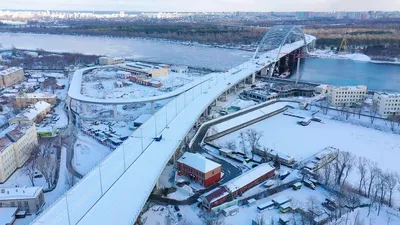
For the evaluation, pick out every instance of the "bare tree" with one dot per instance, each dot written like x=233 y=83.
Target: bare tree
x=30 y=167
x=373 y=111
x=212 y=219
x=382 y=187
x=260 y=220
x=253 y=137
x=392 y=121
x=392 y=179
x=47 y=164
x=326 y=173
x=344 y=163
x=231 y=145
x=362 y=170
x=242 y=142
x=373 y=172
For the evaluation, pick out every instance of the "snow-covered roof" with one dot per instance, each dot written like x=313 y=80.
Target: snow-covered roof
x=4 y=143
x=249 y=177
x=7 y=215
x=198 y=162
x=281 y=199
x=9 y=71
x=32 y=112
x=20 y=193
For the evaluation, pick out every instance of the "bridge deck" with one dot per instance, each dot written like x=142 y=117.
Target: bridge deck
x=115 y=191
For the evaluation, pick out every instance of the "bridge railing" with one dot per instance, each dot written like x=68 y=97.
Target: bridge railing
x=74 y=204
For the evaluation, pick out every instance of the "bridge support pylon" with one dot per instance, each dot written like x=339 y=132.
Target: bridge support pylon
x=115 y=111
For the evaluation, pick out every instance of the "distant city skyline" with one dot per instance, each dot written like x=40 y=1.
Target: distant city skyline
x=204 y=5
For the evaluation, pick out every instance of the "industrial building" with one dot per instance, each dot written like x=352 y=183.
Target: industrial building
x=199 y=169
x=387 y=103
x=105 y=60
x=237 y=186
x=34 y=113
x=25 y=99
x=28 y=199
x=16 y=143
x=11 y=76
x=347 y=95
x=139 y=68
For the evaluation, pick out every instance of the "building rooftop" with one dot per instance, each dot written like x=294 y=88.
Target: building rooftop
x=139 y=66
x=248 y=177
x=7 y=215
x=37 y=95
x=216 y=194
x=198 y=162
x=4 y=143
x=19 y=131
x=9 y=70
x=32 y=111
x=20 y=193
x=388 y=95
x=349 y=88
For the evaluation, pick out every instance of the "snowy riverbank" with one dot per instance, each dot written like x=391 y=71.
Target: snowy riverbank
x=354 y=56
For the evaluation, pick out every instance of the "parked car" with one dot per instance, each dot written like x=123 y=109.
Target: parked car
x=176 y=208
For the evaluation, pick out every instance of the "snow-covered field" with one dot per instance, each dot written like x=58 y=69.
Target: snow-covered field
x=88 y=153
x=284 y=134
x=101 y=84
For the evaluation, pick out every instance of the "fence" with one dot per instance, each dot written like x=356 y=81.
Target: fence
x=73 y=205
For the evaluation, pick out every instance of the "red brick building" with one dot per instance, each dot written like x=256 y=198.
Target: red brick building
x=237 y=186
x=199 y=169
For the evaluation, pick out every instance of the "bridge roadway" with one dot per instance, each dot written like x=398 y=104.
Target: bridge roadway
x=116 y=190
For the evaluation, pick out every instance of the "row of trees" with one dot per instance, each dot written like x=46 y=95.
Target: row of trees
x=357 y=109
x=43 y=159
x=372 y=182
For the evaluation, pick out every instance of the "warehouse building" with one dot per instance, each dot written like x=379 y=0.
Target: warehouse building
x=199 y=169
x=237 y=186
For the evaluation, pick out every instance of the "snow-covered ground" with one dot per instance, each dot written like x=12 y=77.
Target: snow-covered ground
x=353 y=56
x=88 y=153
x=101 y=84
x=282 y=133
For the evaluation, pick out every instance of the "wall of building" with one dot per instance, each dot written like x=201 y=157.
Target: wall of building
x=16 y=154
x=388 y=104
x=339 y=96
x=30 y=205
x=8 y=163
x=206 y=179
x=22 y=102
x=12 y=77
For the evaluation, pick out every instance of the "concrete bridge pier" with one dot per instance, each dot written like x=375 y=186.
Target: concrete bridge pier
x=84 y=108
x=153 y=106
x=264 y=71
x=253 y=78
x=115 y=111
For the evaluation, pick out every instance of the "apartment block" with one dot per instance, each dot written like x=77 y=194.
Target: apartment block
x=11 y=76
x=16 y=144
x=25 y=99
x=346 y=95
x=387 y=103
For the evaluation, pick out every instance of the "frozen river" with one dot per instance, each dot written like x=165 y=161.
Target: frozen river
x=159 y=51
x=330 y=71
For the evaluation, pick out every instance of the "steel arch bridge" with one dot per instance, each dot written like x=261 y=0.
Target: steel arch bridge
x=278 y=36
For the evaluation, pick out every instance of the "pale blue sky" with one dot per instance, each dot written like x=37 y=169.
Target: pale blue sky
x=205 y=5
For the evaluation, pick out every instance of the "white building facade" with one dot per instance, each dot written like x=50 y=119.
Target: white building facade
x=346 y=96
x=387 y=103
